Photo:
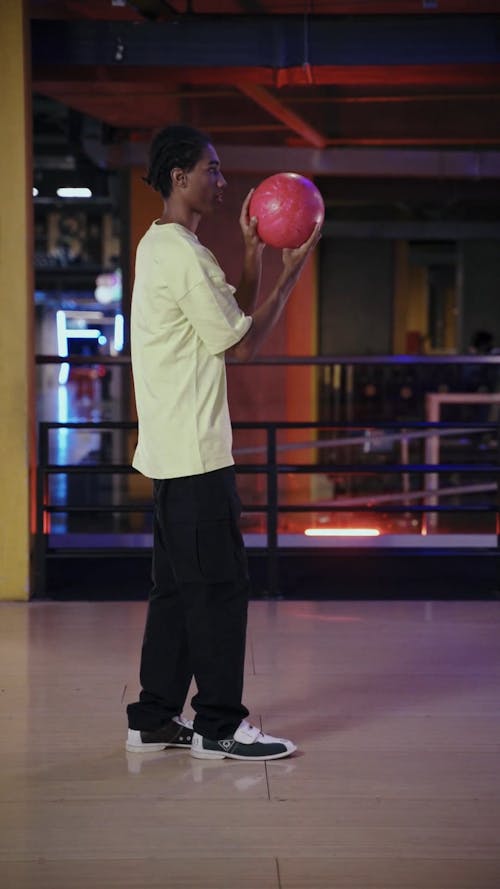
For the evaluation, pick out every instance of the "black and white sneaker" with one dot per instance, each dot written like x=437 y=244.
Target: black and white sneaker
x=247 y=743
x=177 y=732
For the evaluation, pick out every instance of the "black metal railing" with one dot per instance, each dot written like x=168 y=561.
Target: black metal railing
x=272 y=468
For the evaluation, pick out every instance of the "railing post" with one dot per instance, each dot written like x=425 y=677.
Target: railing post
x=337 y=392
x=405 y=459
x=272 y=513
x=498 y=510
x=40 y=566
x=432 y=449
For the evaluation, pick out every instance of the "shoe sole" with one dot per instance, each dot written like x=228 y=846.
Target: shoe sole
x=153 y=748
x=213 y=754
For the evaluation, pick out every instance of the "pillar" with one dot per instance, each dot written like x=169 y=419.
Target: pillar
x=17 y=451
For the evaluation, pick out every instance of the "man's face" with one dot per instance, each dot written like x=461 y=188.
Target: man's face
x=206 y=183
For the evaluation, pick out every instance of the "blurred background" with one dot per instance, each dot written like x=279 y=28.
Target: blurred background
x=393 y=109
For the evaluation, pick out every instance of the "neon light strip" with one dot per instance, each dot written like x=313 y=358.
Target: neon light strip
x=64 y=373
x=62 y=346
x=62 y=342
x=342 y=532
x=119 y=332
x=90 y=333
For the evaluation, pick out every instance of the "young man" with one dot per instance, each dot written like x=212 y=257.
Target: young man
x=185 y=317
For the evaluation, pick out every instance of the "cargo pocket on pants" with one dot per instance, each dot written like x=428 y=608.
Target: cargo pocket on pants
x=216 y=551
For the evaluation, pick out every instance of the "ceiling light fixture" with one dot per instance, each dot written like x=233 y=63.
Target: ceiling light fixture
x=74 y=192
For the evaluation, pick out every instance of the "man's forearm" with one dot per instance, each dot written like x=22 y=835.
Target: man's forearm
x=264 y=318
x=248 y=289
x=267 y=314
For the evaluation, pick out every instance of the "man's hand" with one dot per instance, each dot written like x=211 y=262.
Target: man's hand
x=248 y=226
x=294 y=259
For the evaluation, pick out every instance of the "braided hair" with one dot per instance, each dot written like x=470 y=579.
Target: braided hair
x=175 y=146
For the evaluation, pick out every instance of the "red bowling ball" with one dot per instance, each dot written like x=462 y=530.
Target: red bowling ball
x=287 y=207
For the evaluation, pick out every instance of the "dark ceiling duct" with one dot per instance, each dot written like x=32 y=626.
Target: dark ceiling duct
x=154 y=9
x=274 y=42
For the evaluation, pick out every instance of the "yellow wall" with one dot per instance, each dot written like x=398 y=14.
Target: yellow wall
x=16 y=308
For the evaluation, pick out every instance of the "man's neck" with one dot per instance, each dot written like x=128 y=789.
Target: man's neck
x=181 y=215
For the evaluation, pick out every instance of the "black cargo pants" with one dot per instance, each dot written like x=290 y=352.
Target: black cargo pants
x=197 y=614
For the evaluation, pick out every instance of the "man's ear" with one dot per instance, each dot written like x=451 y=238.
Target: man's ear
x=178 y=177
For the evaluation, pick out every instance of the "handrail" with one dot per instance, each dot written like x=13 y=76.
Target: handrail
x=294 y=360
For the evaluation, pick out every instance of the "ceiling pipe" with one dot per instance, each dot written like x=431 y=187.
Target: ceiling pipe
x=346 y=162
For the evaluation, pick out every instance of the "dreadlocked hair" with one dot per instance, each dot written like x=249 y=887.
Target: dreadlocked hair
x=175 y=146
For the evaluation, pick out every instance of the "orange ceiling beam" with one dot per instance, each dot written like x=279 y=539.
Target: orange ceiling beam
x=467 y=75
x=309 y=134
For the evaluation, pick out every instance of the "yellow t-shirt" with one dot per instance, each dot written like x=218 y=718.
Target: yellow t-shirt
x=184 y=317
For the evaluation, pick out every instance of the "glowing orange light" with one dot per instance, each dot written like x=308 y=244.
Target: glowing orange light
x=342 y=532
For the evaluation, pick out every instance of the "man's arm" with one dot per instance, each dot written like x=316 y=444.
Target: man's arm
x=268 y=313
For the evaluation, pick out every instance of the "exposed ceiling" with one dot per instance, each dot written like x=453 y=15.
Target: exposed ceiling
x=353 y=88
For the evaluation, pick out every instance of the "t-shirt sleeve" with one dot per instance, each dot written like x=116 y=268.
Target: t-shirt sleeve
x=211 y=308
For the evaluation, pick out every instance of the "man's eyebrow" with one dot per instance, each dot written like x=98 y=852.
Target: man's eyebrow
x=213 y=163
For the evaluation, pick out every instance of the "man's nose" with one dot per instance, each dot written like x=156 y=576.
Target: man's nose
x=221 y=182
